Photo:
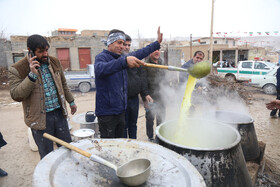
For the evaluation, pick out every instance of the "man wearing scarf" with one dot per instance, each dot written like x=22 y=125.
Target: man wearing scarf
x=111 y=81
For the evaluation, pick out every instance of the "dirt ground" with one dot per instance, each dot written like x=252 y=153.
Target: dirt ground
x=19 y=160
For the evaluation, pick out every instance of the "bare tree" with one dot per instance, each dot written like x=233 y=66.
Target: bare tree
x=3 y=33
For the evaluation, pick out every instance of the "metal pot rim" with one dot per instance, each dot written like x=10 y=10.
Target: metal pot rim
x=235 y=143
x=239 y=123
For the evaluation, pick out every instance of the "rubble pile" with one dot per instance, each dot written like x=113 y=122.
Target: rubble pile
x=229 y=88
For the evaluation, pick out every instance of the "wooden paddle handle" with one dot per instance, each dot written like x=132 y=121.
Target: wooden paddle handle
x=155 y=66
x=65 y=144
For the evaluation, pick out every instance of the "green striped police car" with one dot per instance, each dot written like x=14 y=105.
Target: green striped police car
x=245 y=70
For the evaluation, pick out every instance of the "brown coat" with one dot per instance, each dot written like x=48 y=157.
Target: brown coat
x=31 y=94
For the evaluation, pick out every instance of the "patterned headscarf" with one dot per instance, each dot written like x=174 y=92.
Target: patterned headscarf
x=114 y=37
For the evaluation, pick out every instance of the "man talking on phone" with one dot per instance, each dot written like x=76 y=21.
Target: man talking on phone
x=38 y=82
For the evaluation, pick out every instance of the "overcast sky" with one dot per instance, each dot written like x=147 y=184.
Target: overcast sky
x=176 y=17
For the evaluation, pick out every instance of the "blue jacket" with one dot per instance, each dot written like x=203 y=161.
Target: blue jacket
x=111 y=80
x=183 y=76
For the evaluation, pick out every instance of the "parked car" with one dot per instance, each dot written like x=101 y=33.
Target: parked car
x=245 y=70
x=266 y=82
x=82 y=80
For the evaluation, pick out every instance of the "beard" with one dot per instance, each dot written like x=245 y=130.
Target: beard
x=43 y=59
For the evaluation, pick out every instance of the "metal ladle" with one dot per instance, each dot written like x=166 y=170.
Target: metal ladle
x=132 y=173
x=198 y=70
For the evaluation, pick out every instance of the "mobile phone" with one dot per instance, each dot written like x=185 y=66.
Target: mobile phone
x=31 y=53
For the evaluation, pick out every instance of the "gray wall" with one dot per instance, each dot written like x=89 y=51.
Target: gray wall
x=174 y=57
x=5 y=54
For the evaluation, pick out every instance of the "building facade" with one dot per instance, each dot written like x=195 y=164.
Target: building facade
x=74 y=52
x=226 y=49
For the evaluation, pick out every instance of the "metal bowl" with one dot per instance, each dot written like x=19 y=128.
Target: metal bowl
x=83 y=133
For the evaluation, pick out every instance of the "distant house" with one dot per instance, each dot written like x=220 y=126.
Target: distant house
x=64 y=32
x=216 y=40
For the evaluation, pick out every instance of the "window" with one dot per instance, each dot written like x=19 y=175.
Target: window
x=247 y=65
x=259 y=65
x=17 y=56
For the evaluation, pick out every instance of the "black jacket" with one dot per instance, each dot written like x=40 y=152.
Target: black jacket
x=156 y=78
x=137 y=82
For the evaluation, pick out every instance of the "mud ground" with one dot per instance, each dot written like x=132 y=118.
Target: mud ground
x=19 y=160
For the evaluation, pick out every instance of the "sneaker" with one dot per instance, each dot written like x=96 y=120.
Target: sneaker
x=151 y=140
x=3 y=173
x=273 y=114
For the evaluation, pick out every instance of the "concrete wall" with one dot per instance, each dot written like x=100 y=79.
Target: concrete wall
x=19 y=43
x=96 y=33
x=174 y=57
x=186 y=51
x=272 y=57
x=257 y=52
x=5 y=48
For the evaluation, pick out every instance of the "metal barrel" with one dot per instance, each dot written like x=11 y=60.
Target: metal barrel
x=245 y=126
x=223 y=165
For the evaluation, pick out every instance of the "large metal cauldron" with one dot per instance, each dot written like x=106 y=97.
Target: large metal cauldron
x=217 y=153
x=63 y=167
x=245 y=126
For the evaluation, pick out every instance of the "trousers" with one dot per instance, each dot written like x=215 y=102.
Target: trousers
x=56 y=125
x=131 y=116
x=111 y=126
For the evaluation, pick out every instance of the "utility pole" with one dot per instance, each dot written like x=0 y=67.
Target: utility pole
x=191 y=46
x=211 y=36
x=139 y=40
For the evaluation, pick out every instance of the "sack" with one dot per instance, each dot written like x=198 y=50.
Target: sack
x=33 y=146
x=90 y=116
